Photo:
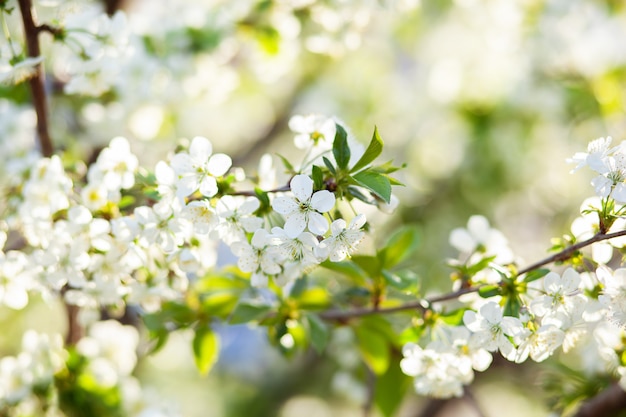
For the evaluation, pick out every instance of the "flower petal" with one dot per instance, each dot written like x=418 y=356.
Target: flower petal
x=302 y=187
x=219 y=164
x=284 y=205
x=318 y=224
x=200 y=149
x=323 y=201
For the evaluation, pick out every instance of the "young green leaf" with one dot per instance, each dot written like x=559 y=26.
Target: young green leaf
x=329 y=165
x=371 y=153
x=246 y=312
x=391 y=387
x=377 y=183
x=374 y=349
x=319 y=332
x=318 y=177
x=205 y=349
x=287 y=164
x=536 y=274
x=341 y=150
x=399 y=247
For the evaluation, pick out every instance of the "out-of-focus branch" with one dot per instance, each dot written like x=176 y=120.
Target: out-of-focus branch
x=31 y=33
x=606 y=403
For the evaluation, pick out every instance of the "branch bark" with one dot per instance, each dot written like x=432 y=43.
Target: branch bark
x=31 y=33
x=606 y=403
x=423 y=304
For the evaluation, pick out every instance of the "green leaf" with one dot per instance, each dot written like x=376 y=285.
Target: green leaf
x=314 y=298
x=356 y=193
x=512 y=306
x=454 y=317
x=329 y=165
x=369 y=264
x=341 y=150
x=205 y=349
x=373 y=150
x=319 y=332
x=406 y=281
x=246 y=312
x=489 y=291
x=400 y=245
x=287 y=164
x=374 y=348
x=377 y=183
x=348 y=268
x=536 y=274
x=262 y=196
x=126 y=201
x=318 y=177
x=391 y=387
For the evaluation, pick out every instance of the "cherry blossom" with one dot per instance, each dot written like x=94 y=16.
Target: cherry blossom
x=305 y=208
x=199 y=168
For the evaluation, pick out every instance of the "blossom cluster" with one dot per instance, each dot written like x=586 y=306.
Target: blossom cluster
x=532 y=315
x=91 y=241
x=32 y=382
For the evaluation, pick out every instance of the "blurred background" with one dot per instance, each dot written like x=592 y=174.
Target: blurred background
x=483 y=100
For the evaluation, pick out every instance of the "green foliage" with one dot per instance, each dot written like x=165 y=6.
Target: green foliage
x=375 y=338
x=402 y=244
x=391 y=387
x=341 y=149
x=80 y=393
x=205 y=349
x=372 y=152
x=319 y=332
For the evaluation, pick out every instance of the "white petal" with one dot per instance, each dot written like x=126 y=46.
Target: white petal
x=478 y=226
x=182 y=163
x=337 y=226
x=552 y=283
x=208 y=186
x=302 y=187
x=323 y=201
x=318 y=224
x=492 y=312
x=570 y=280
x=471 y=321
x=461 y=240
x=295 y=224
x=219 y=164
x=285 y=205
x=164 y=174
x=200 y=149
x=358 y=221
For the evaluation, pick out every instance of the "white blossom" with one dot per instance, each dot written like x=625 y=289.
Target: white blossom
x=343 y=240
x=305 y=208
x=199 y=168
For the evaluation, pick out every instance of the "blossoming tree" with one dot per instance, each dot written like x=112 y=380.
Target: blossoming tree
x=194 y=242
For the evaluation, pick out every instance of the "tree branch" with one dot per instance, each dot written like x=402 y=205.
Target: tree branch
x=31 y=32
x=424 y=304
x=606 y=403
x=568 y=252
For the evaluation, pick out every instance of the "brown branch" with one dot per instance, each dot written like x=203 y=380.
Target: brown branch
x=424 y=304
x=606 y=403
x=569 y=251
x=31 y=32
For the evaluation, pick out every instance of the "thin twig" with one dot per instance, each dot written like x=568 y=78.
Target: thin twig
x=424 y=304
x=569 y=251
x=606 y=403
x=31 y=32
